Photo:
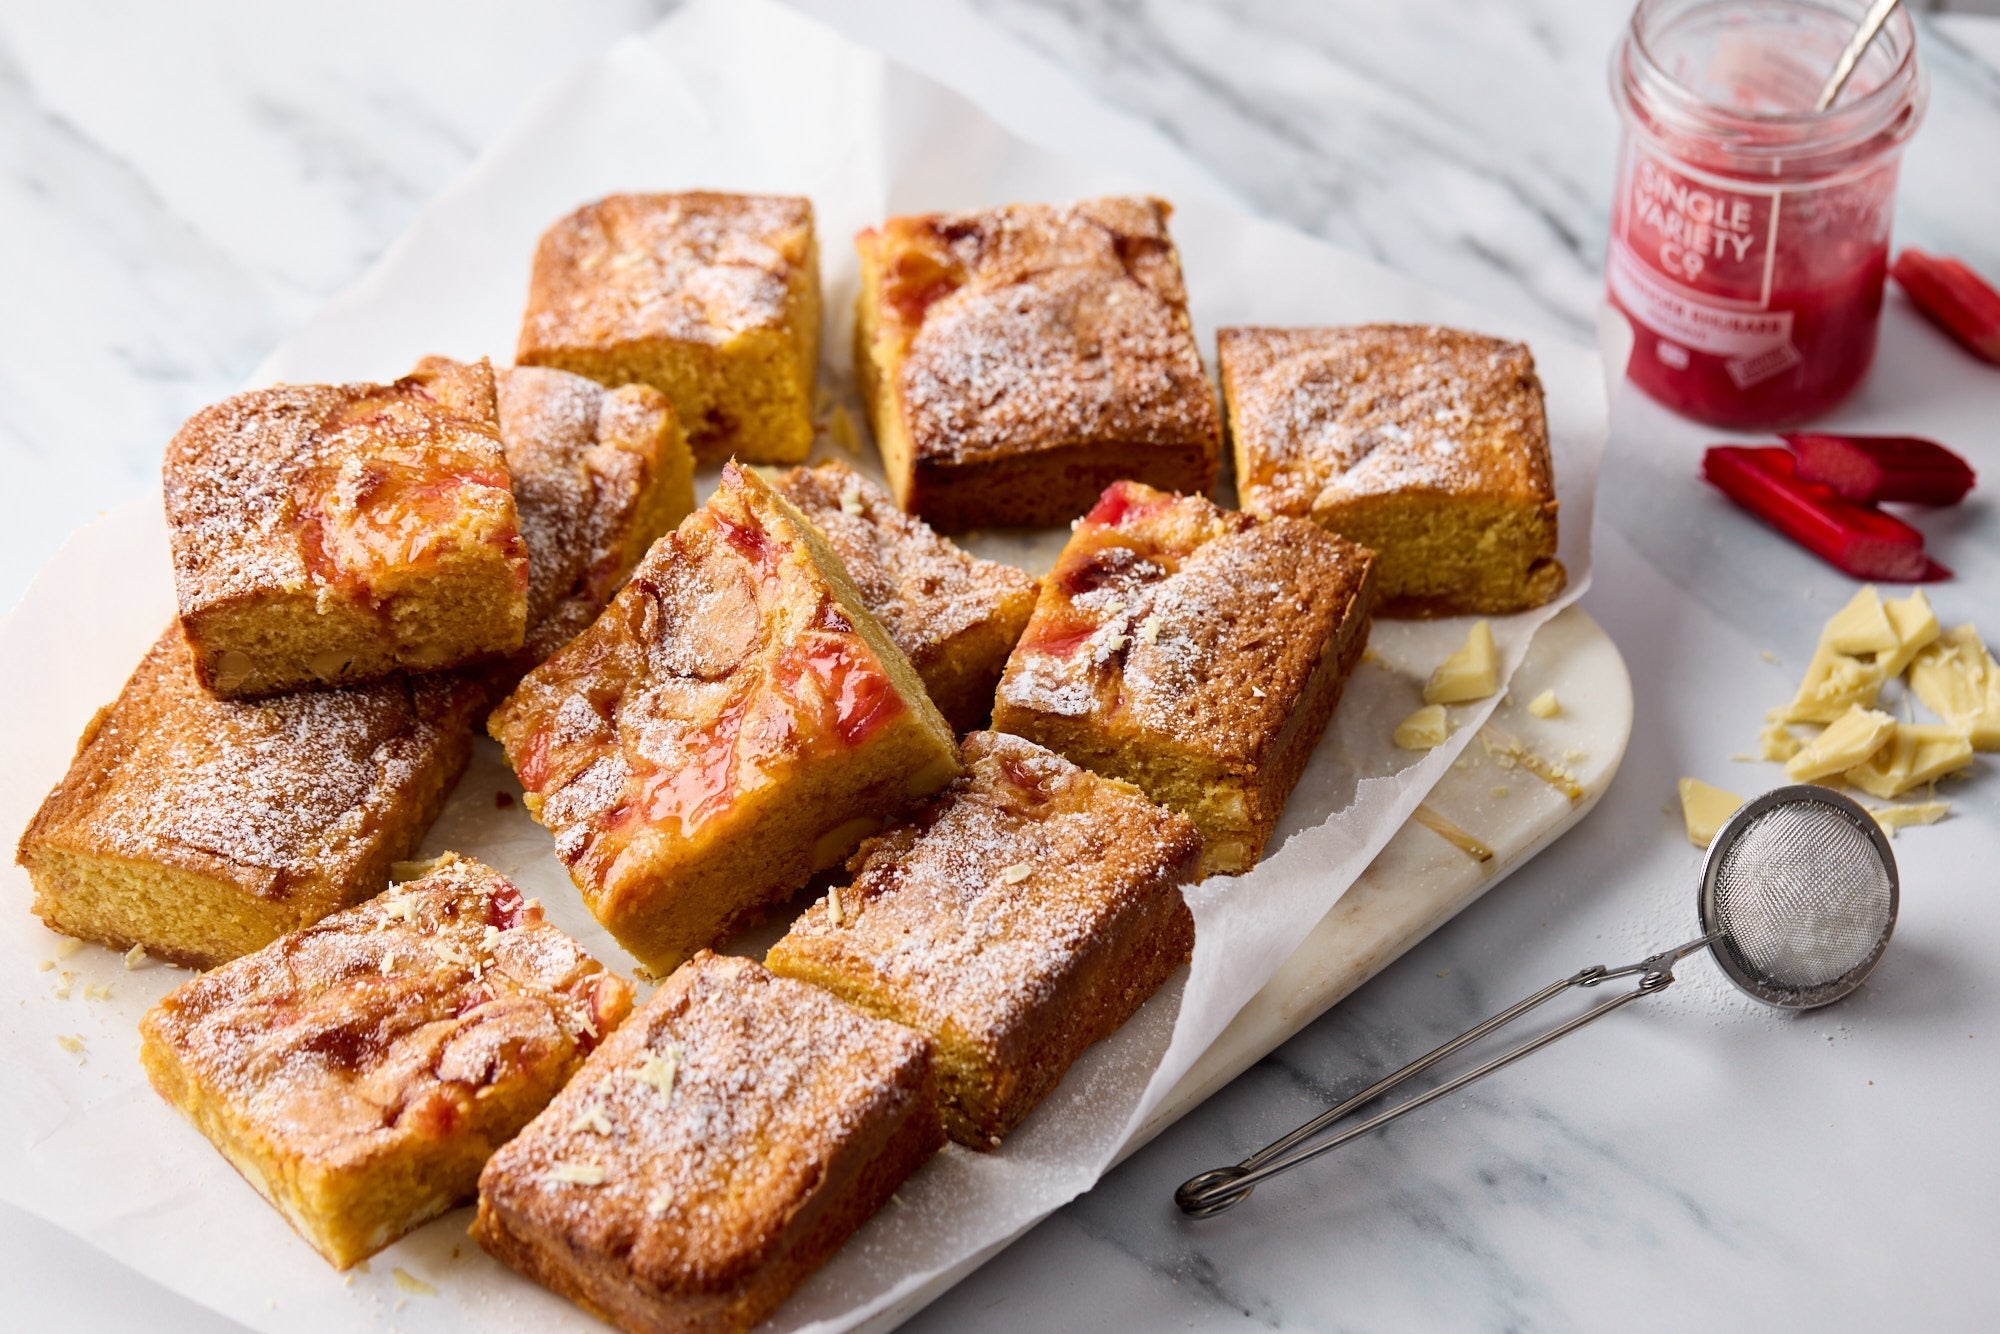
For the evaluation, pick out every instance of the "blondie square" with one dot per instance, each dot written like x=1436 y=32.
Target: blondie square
x=735 y=721
x=1020 y=917
x=712 y=299
x=1194 y=651
x=713 y=1152
x=205 y=828
x=334 y=534
x=1018 y=360
x=955 y=615
x=1429 y=446
x=599 y=476
x=360 y=1072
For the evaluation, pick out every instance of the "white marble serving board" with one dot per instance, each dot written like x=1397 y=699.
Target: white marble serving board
x=1421 y=879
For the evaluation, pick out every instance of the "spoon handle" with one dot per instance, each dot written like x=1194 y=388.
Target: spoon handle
x=1843 y=69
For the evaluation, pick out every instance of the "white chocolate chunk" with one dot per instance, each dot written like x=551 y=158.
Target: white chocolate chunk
x=1957 y=679
x=1705 y=809
x=1847 y=741
x=1916 y=627
x=1861 y=626
x=1776 y=742
x=1892 y=818
x=1914 y=754
x=1471 y=673
x=1545 y=705
x=1833 y=684
x=1424 y=729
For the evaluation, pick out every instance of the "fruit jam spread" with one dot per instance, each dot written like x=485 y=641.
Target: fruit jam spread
x=1749 y=233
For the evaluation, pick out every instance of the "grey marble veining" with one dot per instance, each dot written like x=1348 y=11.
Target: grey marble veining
x=179 y=185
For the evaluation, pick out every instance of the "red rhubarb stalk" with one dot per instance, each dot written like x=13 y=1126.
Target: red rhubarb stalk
x=1869 y=469
x=1863 y=542
x=1957 y=300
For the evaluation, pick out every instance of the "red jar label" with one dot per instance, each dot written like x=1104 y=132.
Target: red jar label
x=1693 y=261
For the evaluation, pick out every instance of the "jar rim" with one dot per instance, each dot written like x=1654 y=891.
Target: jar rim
x=1888 y=112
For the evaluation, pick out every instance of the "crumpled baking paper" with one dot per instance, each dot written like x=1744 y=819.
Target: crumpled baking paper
x=742 y=96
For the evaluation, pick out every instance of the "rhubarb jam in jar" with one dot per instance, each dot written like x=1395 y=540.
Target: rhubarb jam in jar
x=1750 y=233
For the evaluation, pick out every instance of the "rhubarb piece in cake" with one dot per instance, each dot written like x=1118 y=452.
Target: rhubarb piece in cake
x=333 y=534
x=1194 y=651
x=713 y=1152
x=712 y=299
x=1429 y=446
x=1018 y=360
x=360 y=1072
x=204 y=828
x=1018 y=918
x=955 y=615
x=733 y=722
x=599 y=476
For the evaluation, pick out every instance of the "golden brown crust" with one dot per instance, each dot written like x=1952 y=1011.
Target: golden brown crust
x=713 y=1152
x=337 y=533
x=599 y=476
x=360 y=1072
x=1194 y=651
x=1020 y=917
x=1019 y=359
x=203 y=828
x=733 y=722
x=711 y=298
x=1429 y=444
x=955 y=615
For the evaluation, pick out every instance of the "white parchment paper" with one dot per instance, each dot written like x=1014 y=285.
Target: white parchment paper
x=733 y=95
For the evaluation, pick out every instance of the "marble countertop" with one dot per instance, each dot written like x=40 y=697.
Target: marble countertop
x=180 y=186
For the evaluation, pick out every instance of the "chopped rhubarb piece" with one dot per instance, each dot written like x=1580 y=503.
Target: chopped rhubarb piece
x=1863 y=542
x=1874 y=468
x=1955 y=298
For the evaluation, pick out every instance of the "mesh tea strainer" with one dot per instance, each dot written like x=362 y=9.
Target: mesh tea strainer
x=1798 y=898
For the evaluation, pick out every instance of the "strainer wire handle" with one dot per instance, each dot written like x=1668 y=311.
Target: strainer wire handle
x=1214 y=1191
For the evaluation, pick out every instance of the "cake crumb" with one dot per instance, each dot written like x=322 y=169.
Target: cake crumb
x=93 y=992
x=576 y=1174
x=45 y=965
x=63 y=981
x=408 y=1282
x=1767 y=655
x=67 y=946
x=135 y=958
x=71 y=1043
x=1545 y=705
x=1016 y=873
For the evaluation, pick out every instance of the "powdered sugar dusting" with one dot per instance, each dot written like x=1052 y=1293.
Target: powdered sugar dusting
x=1323 y=415
x=770 y=1078
x=1066 y=325
x=380 y=1025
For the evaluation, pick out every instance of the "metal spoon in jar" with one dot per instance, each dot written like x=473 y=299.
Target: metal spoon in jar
x=1843 y=68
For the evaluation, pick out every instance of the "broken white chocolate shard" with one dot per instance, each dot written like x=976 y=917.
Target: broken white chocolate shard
x=1914 y=754
x=1847 y=741
x=1956 y=678
x=1545 y=705
x=1776 y=742
x=1424 y=729
x=1916 y=627
x=1705 y=809
x=1833 y=684
x=1471 y=673
x=1892 y=818
x=1862 y=626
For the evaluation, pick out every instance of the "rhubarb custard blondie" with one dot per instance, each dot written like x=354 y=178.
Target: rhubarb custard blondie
x=1018 y=360
x=204 y=828
x=599 y=476
x=955 y=615
x=1194 y=651
x=360 y=1072
x=333 y=534
x=1429 y=446
x=713 y=1152
x=733 y=722
x=1020 y=917
x=713 y=299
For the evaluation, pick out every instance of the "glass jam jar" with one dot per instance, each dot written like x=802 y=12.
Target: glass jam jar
x=1750 y=233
